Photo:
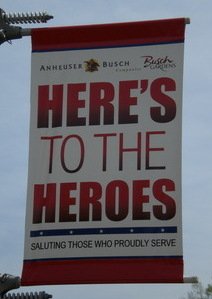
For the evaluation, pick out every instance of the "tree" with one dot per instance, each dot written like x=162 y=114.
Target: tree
x=198 y=291
x=208 y=291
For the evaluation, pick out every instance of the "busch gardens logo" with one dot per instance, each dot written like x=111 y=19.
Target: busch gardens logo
x=162 y=63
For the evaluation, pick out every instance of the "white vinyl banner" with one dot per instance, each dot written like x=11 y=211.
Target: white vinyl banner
x=105 y=154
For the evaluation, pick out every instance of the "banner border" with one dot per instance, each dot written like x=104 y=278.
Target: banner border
x=102 y=271
x=108 y=35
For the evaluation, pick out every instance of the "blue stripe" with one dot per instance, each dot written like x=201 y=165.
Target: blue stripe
x=106 y=258
x=107 y=47
x=103 y=231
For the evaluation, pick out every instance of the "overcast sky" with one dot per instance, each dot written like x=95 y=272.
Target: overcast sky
x=197 y=136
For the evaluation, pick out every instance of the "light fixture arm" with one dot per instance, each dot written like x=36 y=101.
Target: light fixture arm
x=9 y=32
x=8 y=282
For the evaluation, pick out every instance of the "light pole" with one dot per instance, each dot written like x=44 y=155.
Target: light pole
x=9 y=32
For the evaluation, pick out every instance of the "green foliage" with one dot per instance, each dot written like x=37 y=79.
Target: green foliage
x=198 y=291
x=208 y=291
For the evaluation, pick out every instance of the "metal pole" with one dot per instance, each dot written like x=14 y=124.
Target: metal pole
x=192 y=279
x=26 y=31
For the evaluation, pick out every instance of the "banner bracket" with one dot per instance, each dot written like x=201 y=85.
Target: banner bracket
x=9 y=32
x=27 y=31
x=192 y=279
x=8 y=282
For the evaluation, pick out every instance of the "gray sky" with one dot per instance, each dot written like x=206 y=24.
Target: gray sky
x=197 y=136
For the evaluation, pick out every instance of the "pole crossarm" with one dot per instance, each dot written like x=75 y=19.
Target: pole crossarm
x=8 y=282
x=192 y=279
x=9 y=32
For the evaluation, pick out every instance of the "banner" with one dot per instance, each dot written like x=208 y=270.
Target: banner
x=104 y=183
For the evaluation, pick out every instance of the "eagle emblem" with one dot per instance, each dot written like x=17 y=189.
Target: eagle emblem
x=91 y=65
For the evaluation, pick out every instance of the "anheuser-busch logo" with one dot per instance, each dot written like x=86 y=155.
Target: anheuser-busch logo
x=162 y=63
